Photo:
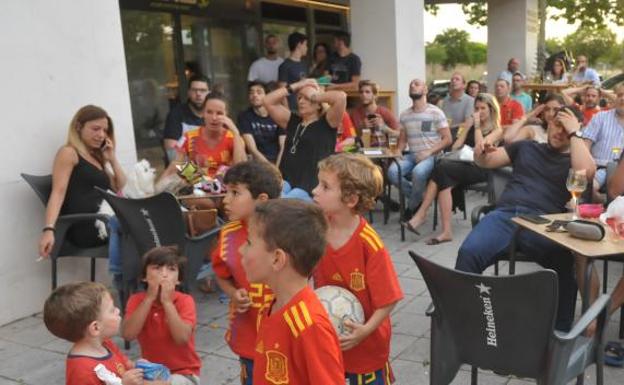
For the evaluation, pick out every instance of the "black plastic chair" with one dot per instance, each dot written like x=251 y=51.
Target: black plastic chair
x=150 y=222
x=506 y=324
x=42 y=185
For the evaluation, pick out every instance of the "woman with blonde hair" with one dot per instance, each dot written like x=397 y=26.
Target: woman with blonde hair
x=85 y=161
x=485 y=132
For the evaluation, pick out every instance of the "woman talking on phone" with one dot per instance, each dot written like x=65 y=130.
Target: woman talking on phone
x=79 y=166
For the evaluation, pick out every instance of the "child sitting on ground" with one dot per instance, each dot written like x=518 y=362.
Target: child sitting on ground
x=84 y=313
x=296 y=342
x=357 y=260
x=247 y=183
x=164 y=319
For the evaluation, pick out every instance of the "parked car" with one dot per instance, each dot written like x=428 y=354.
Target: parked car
x=613 y=81
x=439 y=87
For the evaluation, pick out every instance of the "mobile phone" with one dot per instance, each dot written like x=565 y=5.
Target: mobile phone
x=103 y=144
x=538 y=220
x=371 y=116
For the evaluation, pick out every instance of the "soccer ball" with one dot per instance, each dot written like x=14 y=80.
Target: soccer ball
x=340 y=304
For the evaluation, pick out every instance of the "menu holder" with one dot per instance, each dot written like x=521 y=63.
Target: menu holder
x=372 y=151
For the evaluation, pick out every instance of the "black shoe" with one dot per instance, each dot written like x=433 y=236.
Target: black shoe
x=392 y=204
x=407 y=215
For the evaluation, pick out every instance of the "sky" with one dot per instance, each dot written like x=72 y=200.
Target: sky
x=452 y=16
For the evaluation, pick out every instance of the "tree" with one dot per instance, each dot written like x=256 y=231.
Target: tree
x=589 y=13
x=554 y=45
x=591 y=42
x=452 y=47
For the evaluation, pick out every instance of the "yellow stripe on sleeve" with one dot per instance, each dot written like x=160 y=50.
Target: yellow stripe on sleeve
x=373 y=234
x=289 y=321
x=368 y=240
x=298 y=321
x=306 y=313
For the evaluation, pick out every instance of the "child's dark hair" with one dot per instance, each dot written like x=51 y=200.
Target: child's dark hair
x=257 y=83
x=259 y=177
x=164 y=256
x=297 y=227
x=70 y=309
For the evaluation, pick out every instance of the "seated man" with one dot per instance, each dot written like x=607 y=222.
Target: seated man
x=604 y=136
x=538 y=186
x=584 y=74
x=263 y=138
x=425 y=128
x=458 y=106
x=518 y=94
x=186 y=116
x=378 y=119
x=590 y=99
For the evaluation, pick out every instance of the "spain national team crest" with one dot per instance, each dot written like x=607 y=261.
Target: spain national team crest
x=357 y=281
x=277 y=367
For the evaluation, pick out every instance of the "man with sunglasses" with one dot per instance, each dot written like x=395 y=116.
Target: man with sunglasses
x=537 y=186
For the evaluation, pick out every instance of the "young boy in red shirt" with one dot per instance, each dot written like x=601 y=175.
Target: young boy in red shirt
x=357 y=260
x=164 y=319
x=296 y=342
x=248 y=184
x=84 y=313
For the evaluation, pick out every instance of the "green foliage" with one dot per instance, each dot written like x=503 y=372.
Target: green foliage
x=591 y=42
x=453 y=47
x=589 y=13
x=553 y=46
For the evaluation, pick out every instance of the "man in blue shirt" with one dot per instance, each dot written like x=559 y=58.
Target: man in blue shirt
x=583 y=73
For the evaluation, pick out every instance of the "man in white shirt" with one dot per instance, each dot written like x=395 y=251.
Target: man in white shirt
x=265 y=68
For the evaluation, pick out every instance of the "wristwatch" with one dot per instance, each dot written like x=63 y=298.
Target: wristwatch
x=577 y=134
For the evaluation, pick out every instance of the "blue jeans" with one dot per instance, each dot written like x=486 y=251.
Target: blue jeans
x=114 y=251
x=246 y=371
x=491 y=239
x=295 y=193
x=415 y=187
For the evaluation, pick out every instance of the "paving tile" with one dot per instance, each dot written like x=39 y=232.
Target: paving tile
x=412 y=286
x=219 y=370
x=34 y=364
x=410 y=324
x=399 y=343
x=31 y=332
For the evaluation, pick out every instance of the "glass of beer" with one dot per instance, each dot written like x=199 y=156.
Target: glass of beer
x=576 y=184
x=393 y=142
x=366 y=137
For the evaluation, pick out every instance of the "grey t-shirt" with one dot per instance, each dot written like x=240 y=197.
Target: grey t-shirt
x=458 y=110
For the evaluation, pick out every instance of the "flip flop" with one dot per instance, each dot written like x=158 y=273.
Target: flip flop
x=436 y=241
x=409 y=226
x=614 y=354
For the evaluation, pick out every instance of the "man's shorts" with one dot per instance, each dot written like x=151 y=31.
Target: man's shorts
x=246 y=373
x=379 y=377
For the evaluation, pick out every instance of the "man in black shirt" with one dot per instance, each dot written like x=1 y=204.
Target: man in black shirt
x=537 y=186
x=345 y=67
x=263 y=138
x=293 y=68
x=185 y=116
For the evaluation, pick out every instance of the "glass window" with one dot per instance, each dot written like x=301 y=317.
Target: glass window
x=152 y=77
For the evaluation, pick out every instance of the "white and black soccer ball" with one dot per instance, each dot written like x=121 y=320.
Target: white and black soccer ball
x=341 y=305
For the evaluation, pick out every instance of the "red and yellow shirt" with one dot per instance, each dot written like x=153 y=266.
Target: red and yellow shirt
x=226 y=263
x=210 y=158
x=80 y=370
x=363 y=266
x=157 y=344
x=297 y=345
x=510 y=111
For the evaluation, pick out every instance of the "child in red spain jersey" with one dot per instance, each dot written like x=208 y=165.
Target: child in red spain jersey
x=357 y=260
x=164 y=319
x=247 y=183
x=84 y=313
x=296 y=343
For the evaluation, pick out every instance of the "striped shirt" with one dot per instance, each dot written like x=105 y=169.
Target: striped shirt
x=607 y=135
x=423 y=128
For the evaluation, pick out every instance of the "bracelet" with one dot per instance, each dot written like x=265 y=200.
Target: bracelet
x=49 y=228
x=289 y=90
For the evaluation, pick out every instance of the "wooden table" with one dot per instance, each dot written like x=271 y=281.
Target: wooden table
x=548 y=87
x=387 y=155
x=607 y=248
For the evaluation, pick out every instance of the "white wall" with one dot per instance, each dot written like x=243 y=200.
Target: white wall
x=388 y=36
x=57 y=56
x=513 y=26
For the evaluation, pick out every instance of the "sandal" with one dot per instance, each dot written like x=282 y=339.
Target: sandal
x=614 y=354
x=436 y=241
x=411 y=228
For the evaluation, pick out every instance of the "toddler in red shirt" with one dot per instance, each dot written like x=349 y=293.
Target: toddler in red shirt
x=164 y=319
x=84 y=313
x=248 y=184
x=296 y=341
x=357 y=260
